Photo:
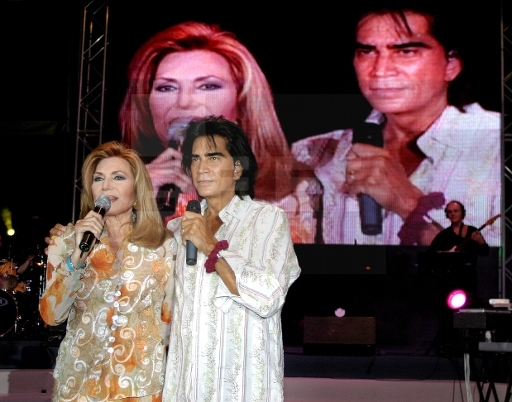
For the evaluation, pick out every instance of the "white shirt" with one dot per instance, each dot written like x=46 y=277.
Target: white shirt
x=225 y=347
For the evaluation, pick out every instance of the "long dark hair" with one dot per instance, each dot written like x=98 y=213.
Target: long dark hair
x=236 y=144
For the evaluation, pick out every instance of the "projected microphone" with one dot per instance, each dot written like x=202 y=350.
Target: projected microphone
x=370 y=212
x=176 y=133
x=171 y=192
x=101 y=206
x=193 y=206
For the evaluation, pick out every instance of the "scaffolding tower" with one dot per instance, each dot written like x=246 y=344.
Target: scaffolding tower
x=91 y=87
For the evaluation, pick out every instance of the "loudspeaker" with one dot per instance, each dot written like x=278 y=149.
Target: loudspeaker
x=339 y=336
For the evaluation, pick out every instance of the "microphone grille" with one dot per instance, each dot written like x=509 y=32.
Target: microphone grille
x=103 y=202
x=194 y=206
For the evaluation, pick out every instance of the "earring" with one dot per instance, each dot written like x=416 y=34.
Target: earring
x=134 y=206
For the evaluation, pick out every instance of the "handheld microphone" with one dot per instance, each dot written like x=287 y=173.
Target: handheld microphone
x=101 y=206
x=370 y=212
x=176 y=133
x=193 y=206
x=169 y=193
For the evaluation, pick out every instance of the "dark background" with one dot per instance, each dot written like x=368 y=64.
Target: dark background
x=304 y=49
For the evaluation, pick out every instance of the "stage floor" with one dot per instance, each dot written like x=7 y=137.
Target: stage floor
x=416 y=372
x=35 y=386
x=388 y=375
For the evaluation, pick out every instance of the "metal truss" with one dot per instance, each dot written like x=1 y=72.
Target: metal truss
x=91 y=87
x=506 y=45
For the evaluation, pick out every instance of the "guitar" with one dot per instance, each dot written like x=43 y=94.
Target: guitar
x=458 y=247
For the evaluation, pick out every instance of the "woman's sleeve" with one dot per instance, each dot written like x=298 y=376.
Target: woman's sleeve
x=167 y=303
x=62 y=284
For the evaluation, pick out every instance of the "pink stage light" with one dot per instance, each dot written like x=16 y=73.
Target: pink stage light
x=456 y=299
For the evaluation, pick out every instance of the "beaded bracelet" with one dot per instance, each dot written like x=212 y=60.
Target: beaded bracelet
x=72 y=266
x=214 y=256
x=417 y=221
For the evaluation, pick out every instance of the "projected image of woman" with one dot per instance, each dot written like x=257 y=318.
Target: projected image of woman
x=192 y=70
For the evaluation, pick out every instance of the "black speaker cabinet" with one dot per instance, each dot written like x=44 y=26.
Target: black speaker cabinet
x=339 y=336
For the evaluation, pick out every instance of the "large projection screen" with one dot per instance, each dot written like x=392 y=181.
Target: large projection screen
x=306 y=54
x=307 y=57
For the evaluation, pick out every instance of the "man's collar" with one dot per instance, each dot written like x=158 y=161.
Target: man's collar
x=236 y=207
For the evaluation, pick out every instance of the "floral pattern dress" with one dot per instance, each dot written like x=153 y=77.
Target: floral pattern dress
x=118 y=312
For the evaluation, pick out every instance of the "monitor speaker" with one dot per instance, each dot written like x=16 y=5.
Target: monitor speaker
x=339 y=336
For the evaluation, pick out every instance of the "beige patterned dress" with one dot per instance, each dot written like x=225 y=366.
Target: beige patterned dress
x=118 y=311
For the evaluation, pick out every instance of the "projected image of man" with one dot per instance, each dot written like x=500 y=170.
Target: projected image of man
x=435 y=145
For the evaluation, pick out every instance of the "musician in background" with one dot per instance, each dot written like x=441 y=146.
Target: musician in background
x=459 y=236
x=28 y=263
x=464 y=239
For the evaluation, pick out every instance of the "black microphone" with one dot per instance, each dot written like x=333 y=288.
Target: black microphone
x=370 y=212
x=169 y=193
x=101 y=206
x=193 y=206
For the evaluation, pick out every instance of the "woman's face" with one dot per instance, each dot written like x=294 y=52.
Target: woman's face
x=188 y=85
x=114 y=178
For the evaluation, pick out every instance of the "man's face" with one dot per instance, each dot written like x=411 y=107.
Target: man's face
x=400 y=72
x=213 y=169
x=454 y=212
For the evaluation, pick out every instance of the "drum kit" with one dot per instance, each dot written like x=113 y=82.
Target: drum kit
x=19 y=299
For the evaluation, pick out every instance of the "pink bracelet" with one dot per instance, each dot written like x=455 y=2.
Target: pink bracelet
x=214 y=256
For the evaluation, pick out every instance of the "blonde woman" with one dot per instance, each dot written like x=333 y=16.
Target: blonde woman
x=116 y=298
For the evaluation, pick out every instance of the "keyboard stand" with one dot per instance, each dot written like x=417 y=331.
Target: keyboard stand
x=491 y=353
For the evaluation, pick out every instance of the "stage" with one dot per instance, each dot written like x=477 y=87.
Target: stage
x=385 y=378
x=435 y=371
x=296 y=389
x=388 y=347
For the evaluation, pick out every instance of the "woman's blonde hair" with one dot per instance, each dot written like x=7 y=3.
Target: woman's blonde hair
x=256 y=112
x=147 y=226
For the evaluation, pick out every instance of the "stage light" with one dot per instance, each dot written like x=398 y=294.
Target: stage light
x=456 y=299
x=6 y=218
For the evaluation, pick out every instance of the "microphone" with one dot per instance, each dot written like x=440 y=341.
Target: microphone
x=370 y=212
x=171 y=192
x=101 y=206
x=176 y=133
x=193 y=206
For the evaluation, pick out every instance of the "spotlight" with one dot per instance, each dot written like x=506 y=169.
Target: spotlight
x=456 y=299
x=6 y=217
